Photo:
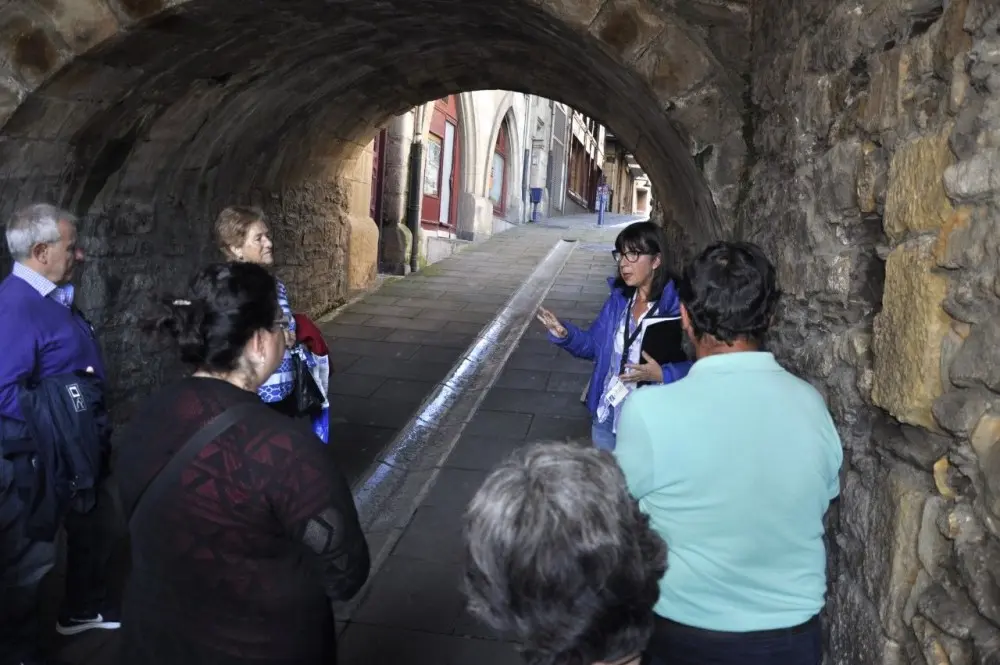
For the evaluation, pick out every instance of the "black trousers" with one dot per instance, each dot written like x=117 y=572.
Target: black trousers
x=24 y=563
x=676 y=644
x=90 y=541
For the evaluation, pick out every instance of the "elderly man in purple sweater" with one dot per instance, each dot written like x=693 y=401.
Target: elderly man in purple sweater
x=42 y=334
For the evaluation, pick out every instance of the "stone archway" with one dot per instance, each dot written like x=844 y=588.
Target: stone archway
x=857 y=142
x=145 y=118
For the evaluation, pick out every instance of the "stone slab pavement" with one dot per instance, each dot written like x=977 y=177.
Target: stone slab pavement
x=390 y=349
x=412 y=610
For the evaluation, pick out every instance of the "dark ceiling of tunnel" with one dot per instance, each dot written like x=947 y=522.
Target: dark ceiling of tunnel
x=237 y=91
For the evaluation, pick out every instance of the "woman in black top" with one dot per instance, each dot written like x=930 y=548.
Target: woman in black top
x=239 y=557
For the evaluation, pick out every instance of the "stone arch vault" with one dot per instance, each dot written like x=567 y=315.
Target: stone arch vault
x=858 y=141
x=147 y=117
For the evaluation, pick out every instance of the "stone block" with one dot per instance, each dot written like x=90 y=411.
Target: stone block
x=576 y=13
x=959 y=412
x=952 y=40
x=974 y=179
x=707 y=102
x=908 y=333
x=891 y=561
x=949 y=241
x=626 y=27
x=834 y=181
x=835 y=45
x=916 y=201
x=362 y=252
x=881 y=109
x=873 y=177
x=978 y=554
x=986 y=434
x=31 y=48
x=939 y=648
x=977 y=363
x=83 y=23
x=673 y=64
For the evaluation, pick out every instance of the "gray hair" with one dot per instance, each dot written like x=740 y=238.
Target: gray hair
x=559 y=555
x=32 y=225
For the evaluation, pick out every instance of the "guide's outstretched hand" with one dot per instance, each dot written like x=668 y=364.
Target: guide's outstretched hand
x=550 y=321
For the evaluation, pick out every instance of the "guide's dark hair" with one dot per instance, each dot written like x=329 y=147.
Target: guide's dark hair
x=559 y=556
x=730 y=291
x=223 y=306
x=646 y=238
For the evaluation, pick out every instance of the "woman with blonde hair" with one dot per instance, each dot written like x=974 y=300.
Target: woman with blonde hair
x=243 y=235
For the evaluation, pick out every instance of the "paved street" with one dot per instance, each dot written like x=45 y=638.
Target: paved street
x=393 y=351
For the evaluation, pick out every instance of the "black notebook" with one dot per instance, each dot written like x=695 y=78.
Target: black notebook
x=663 y=340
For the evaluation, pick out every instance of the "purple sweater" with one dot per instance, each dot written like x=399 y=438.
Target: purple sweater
x=39 y=334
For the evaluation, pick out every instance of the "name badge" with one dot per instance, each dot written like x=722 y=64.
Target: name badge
x=617 y=392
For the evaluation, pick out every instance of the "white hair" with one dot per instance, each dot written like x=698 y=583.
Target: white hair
x=35 y=224
x=559 y=556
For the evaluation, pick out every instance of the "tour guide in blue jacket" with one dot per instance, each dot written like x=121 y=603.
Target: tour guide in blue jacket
x=642 y=289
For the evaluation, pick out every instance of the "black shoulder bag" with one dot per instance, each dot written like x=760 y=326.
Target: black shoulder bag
x=308 y=396
x=172 y=469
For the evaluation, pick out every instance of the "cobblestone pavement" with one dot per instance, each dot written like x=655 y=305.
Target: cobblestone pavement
x=390 y=350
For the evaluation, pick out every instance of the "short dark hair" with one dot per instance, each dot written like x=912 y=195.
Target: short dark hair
x=224 y=305
x=730 y=291
x=647 y=238
x=559 y=556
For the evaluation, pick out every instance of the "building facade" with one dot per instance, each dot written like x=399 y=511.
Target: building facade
x=629 y=190
x=489 y=160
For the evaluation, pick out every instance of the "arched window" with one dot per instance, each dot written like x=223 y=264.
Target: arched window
x=498 y=172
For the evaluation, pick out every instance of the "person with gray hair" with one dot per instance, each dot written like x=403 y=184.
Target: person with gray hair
x=44 y=337
x=559 y=557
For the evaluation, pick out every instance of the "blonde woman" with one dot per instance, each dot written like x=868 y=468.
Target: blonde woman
x=243 y=235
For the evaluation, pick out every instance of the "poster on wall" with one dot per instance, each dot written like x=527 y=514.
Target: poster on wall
x=432 y=168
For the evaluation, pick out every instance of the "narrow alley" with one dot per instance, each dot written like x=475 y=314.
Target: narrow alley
x=437 y=377
x=399 y=155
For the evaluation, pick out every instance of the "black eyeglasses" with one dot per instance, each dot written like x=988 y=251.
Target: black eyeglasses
x=283 y=324
x=631 y=256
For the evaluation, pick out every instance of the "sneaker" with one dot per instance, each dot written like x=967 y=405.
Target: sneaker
x=74 y=624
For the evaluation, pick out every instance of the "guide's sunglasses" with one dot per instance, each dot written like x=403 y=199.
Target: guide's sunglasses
x=282 y=324
x=630 y=256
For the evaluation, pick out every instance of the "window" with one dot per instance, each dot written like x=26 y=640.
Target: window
x=496 y=187
x=432 y=168
x=498 y=172
x=578 y=178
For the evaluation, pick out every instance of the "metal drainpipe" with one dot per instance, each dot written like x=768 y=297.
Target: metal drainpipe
x=413 y=195
x=528 y=121
x=548 y=169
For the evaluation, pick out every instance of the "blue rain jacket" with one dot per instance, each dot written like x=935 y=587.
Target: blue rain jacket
x=597 y=343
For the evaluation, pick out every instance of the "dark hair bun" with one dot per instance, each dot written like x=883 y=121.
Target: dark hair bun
x=225 y=304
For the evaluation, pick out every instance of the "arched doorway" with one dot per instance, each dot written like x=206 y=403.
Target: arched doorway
x=499 y=171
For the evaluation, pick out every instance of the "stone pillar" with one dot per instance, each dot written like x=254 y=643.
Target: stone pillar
x=397 y=237
x=362 y=252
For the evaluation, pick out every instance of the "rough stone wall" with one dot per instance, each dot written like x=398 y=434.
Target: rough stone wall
x=876 y=150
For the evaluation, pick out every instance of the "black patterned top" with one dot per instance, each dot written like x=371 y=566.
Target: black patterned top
x=241 y=560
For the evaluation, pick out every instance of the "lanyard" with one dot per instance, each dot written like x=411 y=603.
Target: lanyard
x=626 y=337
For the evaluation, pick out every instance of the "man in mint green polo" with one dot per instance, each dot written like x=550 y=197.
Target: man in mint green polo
x=736 y=466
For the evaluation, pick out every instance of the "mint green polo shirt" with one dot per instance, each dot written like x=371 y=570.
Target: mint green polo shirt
x=736 y=465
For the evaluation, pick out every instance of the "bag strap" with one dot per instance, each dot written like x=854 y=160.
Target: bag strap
x=186 y=453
